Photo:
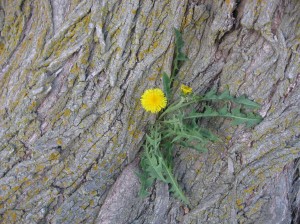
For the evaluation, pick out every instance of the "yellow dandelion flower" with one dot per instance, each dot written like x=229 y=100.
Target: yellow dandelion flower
x=153 y=100
x=185 y=89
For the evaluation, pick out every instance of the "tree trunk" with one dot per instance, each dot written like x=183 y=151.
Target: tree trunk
x=71 y=124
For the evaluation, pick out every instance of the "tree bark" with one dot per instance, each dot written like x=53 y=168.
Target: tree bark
x=71 y=124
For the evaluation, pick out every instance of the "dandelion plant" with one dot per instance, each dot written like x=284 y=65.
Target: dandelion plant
x=178 y=124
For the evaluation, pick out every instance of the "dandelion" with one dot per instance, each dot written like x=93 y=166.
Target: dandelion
x=186 y=89
x=153 y=100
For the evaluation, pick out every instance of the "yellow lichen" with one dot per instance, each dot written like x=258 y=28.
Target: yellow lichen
x=75 y=69
x=135 y=134
x=95 y=167
x=84 y=106
x=39 y=167
x=16 y=188
x=67 y=112
x=250 y=190
x=59 y=211
x=59 y=141
x=239 y=203
x=153 y=77
x=28 y=183
x=188 y=19
x=68 y=170
x=54 y=156
x=111 y=170
x=32 y=106
x=2 y=47
x=103 y=163
x=141 y=56
x=10 y=216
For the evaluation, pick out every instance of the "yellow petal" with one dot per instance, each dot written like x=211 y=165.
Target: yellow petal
x=153 y=100
x=185 y=89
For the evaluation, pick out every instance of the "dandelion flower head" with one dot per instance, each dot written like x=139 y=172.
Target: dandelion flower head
x=185 y=89
x=153 y=100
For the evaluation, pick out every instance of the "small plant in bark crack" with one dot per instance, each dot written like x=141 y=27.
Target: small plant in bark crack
x=178 y=124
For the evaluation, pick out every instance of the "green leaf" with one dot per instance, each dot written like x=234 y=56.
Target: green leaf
x=166 y=85
x=178 y=40
x=167 y=150
x=225 y=95
x=175 y=188
x=224 y=111
x=209 y=112
x=238 y=117
x=250 y=119
x=146 y=182
x=208 y=134
x=210 y=95
x=246 y=102
x=213 y=95
x=179 y=104
x=155 y=166
x=179 y=55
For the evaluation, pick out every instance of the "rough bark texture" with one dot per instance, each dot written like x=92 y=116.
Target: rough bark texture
x=71 y=125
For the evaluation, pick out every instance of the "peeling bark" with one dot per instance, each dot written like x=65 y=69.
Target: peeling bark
x=71 y=125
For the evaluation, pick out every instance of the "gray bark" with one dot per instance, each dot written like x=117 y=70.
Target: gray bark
x=71 y=124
